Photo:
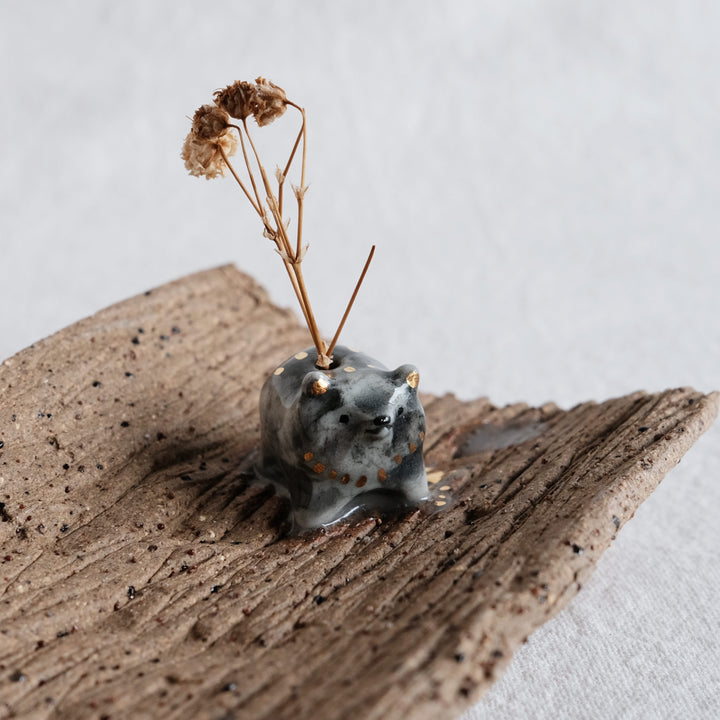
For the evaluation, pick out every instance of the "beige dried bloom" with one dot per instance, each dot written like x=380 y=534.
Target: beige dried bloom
x=238 y=99
x=203 y=157
x=270 y=102
x=201 y=150
x=210 y=122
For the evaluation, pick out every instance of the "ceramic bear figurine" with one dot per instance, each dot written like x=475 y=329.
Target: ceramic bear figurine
x=343 y=438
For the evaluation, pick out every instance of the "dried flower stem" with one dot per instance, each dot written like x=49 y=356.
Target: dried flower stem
x=285 y=172
x=270 y=197
x=239 y=181
x=301 y=195
x=298 y=293
x=259 y=204
x=287 y=264
x=295 y=258
x=350 y=304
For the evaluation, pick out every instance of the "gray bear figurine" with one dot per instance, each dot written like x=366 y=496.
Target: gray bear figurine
x=343 y=438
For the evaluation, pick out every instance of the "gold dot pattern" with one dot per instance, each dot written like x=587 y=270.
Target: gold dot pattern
x=382 y=474
x=301 y=355
x=434 y=477
x=349 y=368
x=279 y=371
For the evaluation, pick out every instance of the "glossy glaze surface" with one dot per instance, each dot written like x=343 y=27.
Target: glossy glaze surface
x=343 y=438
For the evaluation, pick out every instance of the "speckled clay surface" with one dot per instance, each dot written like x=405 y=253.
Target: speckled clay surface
x=342 y=438
x=147 y=576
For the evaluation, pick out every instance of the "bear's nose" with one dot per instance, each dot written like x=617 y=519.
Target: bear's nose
x=382 y=420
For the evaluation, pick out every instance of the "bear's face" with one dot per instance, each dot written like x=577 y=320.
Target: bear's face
x=360 y=422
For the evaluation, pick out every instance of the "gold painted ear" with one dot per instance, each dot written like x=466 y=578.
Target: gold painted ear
x=315 y=384
x=406 y=374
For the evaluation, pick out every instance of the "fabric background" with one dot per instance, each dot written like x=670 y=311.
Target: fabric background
x=541 y=180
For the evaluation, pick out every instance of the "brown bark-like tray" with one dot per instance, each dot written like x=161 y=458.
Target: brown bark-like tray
x=145 y=575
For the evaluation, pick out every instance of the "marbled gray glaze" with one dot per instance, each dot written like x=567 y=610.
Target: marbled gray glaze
x=342 y=438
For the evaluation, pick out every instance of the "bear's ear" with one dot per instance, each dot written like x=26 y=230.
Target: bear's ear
x=406 y=374
x=315 y=383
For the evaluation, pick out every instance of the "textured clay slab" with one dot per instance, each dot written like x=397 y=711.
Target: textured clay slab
x=144 y=574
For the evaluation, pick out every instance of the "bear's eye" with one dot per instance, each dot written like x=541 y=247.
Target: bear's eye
x=344 y=419
x=400 y=411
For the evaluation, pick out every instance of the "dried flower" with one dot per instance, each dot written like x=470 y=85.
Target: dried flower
x=270 y=102
x=265 y=100
x=238 y=99
x=203 y=157
x=206 y=152
x=210 y=132
x=209 y=122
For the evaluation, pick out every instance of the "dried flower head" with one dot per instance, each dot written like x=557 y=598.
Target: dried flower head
x=270 y=102
x=210 y=132
x=210 y=122
x=203 y=157
x=238 y=99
